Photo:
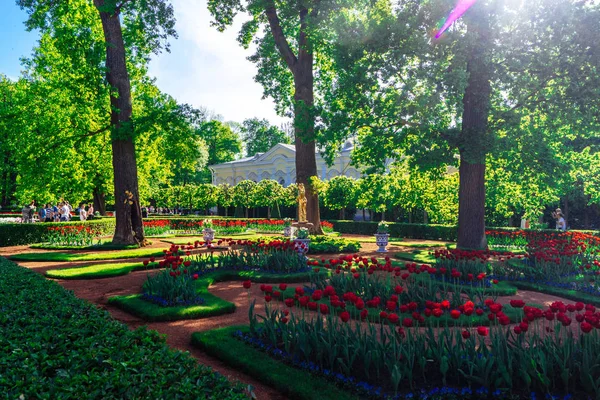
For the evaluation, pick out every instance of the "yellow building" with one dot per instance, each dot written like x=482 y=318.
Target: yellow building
x=279 y=164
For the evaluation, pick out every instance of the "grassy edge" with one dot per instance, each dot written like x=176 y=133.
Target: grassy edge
x=290 y=381
x=566 y=294
x=66 y=257
x=418 y=256
x=98 y=271
x=134 y=304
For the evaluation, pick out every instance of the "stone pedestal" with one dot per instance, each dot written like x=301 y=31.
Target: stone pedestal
x=298 y=225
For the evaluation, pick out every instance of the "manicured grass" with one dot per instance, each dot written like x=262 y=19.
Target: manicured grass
x=56 y=346
x=98 y=271
x=106 y=244
x=213 y=305
x=135 y=253
x=134 y=304
x=418 y=256
x=564 y=293
x=292 y=382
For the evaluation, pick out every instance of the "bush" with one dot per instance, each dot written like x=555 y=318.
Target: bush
x=425 y=231
x=413 y=231
x=57 y=346
x=20 y=234
x=326 y=244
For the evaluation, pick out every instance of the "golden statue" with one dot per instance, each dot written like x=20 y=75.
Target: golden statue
x=301 y=203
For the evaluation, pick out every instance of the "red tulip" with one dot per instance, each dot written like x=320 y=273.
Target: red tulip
x=483 y=331
x=345 y=316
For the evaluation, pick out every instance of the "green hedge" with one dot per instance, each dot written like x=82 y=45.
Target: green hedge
x=20 y=234
x=399 y=230
x=421 y=231
x=56 y=346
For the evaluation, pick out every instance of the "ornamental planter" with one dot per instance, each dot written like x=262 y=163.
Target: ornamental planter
x=302 y=246
x=208 y=234
x=287 y=231
x=382 y=240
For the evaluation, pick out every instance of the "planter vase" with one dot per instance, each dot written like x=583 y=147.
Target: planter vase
x=302 y=246
x=382 y=240
x=287 y=231
x=208 y=234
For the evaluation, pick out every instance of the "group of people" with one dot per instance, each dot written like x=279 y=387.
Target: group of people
x=56 y=213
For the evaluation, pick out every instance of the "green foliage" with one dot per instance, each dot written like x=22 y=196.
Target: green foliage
x=82 y=349
x=290 y=381
x=19 y=234
x=223 y=143
x=134 y=304
x=412 y=231
x=340 y=193
x=259 y=136
x=113 y=255
x=98 y=271
x=321 y=244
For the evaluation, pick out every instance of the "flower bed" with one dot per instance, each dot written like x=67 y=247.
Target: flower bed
x=536 y=355
x=156 y=227
x=72 y=235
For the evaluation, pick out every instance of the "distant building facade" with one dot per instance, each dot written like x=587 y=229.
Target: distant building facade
x=279 y=164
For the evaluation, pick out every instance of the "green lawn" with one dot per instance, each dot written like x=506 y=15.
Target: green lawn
x=105 y=244
x=98 y=271
x=51 y=256
x=418 y=256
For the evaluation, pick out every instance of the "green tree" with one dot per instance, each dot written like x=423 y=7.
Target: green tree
x=291 y=39
x=268 y=193
x=340 y=194
x=148 y=24
x=466 y=94
x=223 y=144
x=259 y=136
x=244 y=195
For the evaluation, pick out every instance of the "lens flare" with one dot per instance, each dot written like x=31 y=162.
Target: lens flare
x=459 y=10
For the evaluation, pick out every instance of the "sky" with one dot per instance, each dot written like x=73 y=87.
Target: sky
x=205 y=68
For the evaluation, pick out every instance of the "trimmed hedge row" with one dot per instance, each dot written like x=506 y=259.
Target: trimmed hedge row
x=401 y=230
x=422 y=231
x=54 y=345
x=19 y=234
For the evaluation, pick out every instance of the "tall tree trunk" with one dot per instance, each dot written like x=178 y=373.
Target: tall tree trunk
x=129 y=227
x=306 y=161
x=425 y=217
x=99 y=201
x=301 y=67
x=474 y=138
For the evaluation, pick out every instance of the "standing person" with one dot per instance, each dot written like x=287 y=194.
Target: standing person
x=65 y=212
x=42 y=214
x=27 y=213
x=56 y=212
x=49 y=213
x=82 y=212
x=90 y=211
x=561 y=224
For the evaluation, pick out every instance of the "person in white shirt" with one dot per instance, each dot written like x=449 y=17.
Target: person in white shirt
x=82 y=212
x=561 y=224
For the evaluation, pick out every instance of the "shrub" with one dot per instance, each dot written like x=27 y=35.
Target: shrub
x=320 y=244
x=20 y=234
x=57 y=346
